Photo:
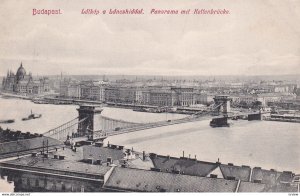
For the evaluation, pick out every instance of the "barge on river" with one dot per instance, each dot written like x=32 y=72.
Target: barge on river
x=219 y=122
x=7 y=121
x=32 y=116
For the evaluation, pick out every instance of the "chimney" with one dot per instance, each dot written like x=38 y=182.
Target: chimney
x=90 y=160
x=168 y=157
x=245 y=166
x=153 y=155
x=230 y=178
x=189 y=156
x=99 y=162
x=175 y=171
x=183 y=154
x=144 y=156
x=287 y=172
x=155 y=169
x=109 y=160
x=257 y=181
x=98 y=144
x=124 y=164
x=195 y=157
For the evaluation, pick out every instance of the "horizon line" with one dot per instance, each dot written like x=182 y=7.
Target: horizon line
x=154 y=75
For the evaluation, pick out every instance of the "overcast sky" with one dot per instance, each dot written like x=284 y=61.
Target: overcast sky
x=257 y=37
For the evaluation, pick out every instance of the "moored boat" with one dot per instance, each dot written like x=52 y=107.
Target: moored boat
x=219 y=122
x=32 y=116
x=139 y=110
x=7 y=121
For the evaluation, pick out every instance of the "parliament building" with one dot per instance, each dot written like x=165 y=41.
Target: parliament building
x=23 y=83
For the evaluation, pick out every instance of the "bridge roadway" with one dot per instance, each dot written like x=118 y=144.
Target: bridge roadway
x=155 y=125
x=192 y=118
x=115 y=127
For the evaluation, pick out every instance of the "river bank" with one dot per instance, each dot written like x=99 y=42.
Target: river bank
x=135 y=107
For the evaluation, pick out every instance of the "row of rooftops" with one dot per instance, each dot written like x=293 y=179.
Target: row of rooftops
x=128 y=179
x=121 y=170
x=140 y=180
x=194 y=167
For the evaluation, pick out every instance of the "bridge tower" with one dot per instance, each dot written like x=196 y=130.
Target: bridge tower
x=89 y=125
x=222 y=103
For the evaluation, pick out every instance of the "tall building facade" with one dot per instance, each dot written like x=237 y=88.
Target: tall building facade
x=23 y=83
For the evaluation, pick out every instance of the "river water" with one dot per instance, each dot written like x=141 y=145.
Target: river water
x=55 y=115
x=266 y=144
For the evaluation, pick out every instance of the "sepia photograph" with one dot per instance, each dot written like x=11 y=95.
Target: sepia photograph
x=198 y=96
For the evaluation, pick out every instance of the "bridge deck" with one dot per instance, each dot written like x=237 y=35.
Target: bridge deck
x=109 y=126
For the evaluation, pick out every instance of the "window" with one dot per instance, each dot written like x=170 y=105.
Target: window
x=37 y=183
x=63 y=187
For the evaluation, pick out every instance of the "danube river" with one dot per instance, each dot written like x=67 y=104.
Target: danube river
x=267 y=144
x=55 y=115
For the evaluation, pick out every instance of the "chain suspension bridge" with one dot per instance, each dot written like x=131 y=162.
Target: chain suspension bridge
x=90 y=123
x=103 y=127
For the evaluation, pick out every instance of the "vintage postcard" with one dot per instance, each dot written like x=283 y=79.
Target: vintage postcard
x=149 y=96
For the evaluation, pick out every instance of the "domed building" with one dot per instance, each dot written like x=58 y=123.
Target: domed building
x=23 y=83
x=21 y=73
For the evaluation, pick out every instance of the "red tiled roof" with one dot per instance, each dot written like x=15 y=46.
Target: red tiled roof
x=266 y=176
x=283 y=188
x=60 y=165
x=240 y=173
x=102 y=153
x=126 y=179
x=27 y=144
x=251 y=187
x=286 y=177
x=188 y=166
